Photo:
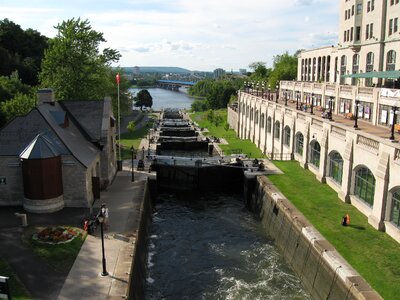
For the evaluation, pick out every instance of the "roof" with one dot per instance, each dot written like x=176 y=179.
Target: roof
x=89 y=114
x=383 y=74
x=21 y=132
x=42 y=146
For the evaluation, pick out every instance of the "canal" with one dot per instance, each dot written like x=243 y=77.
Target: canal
x=212 y=247
x=163 y=98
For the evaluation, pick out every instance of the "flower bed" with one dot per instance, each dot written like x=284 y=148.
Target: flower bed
x=56 y=235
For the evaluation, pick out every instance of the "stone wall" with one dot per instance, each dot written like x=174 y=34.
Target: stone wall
x=233 y=118
x=324 y=273
x=11 y=186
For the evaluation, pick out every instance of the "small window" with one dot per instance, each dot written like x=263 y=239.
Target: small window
x=372 y=5
x=369 y=6
x=358 y=33
x=352 y=10
x=359 y=8
x=367 y=32
x=390 y=26
x=395 y=25
x=371 y=30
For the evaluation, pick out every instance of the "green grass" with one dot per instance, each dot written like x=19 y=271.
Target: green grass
x=60 y=257
x=235 y=144
x=18 y=291
x=374 y=254
x=130 y=139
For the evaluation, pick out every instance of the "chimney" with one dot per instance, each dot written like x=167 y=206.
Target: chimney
x=45 y=96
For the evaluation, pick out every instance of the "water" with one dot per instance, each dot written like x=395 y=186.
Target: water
x=213 y=248
x=168 y=99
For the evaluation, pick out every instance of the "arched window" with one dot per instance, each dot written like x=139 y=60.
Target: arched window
x=251 y=114
x=299 y=143
x=343 y=64
x=247 y=111
x=262 y=120
x=395 y=212
x=369 y=67
x=315 y=153
x=286 y=136
x=391 y=60
x=277 y=130
x=356 y=67
x=256 y=116
x=269 y=124
x=364 y=185
x=335 y=166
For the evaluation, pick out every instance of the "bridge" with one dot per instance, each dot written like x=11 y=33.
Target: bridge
x=174 y=84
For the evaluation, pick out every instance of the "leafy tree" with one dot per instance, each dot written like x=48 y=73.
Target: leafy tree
x=285 y=68
x=19 y=105
x=12 y=85
x=73 y=65
x=199 y=105
x=131 y=126
x=143 y=98
x=21 y=50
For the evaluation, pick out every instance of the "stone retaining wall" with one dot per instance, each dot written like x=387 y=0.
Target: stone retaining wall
x=324 y=273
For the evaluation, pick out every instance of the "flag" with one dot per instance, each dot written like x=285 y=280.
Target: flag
x=117 y=78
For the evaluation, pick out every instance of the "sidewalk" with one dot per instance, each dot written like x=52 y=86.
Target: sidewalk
x=84 y=280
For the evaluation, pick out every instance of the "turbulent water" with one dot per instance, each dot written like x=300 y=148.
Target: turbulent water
x=213 y=248
x=163 y=98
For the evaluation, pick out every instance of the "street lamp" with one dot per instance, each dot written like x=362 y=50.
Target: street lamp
x=297 y=99
x=312 y=104
x=262 y=90
x=143 y=152
x=100 y=218
x=269 y=92
x=132 y=153
x=394 y=109
x=277 y=93
x=355 y=120
x=330 y=107
x=286 y=92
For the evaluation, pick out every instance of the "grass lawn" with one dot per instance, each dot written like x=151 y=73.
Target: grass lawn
x=130 y=139
x=235 y=144
x=61 y=257
x=374 y=254
x=17 y=289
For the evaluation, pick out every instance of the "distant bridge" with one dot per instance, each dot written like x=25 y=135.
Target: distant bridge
x=174 y=84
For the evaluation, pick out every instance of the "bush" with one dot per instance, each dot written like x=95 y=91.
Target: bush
x=199 y=105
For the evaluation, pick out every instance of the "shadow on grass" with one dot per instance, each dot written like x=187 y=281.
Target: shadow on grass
x=358 y=227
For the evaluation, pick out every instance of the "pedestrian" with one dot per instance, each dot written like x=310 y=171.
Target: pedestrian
x=344 y=221
x=347 y=219
x=104 y=212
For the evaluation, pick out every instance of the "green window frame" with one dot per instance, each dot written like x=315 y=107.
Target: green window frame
x=364 y=185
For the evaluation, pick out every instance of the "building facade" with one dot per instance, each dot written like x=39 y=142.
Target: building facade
x=362 y=168
x=59 y=154
x=369 y=40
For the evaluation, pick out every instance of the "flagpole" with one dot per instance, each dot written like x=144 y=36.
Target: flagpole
x=119 y=125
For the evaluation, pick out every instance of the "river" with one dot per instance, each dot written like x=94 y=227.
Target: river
x=213 y=248
x=163 y=98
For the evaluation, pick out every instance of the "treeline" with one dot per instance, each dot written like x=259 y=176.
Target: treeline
x=214 y=93
x=217 y=94
x=29 y=61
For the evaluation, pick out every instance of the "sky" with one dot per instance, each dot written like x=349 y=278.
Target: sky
x=193 y=34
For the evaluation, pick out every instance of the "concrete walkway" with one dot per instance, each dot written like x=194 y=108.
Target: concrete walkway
x=84 y=280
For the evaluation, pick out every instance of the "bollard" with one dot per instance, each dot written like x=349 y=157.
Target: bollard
x=23 y=219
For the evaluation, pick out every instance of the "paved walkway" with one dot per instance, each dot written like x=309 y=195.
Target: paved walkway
x=123 y=199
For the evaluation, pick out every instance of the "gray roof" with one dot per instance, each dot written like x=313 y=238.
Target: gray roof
x=89 y=114
x=20 y=132
x=42 y=146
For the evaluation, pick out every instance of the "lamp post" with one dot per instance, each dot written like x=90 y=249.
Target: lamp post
x=355 y=120
x=132 y=153
x=101 y=221
x=277 y=93
x=312 y=104
x=394 y=109
x=257 y=86
x=286 y=92
x=262 y=90
x=297 y=100
x=143 y=152
x=269 y=92
x=330 y=107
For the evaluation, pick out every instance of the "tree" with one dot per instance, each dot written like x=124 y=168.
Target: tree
x=143 y=98
x=19 y=105
x=73 y=65
x=285 y=68
x=21 y=50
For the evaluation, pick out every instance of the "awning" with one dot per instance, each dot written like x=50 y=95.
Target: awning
x=383 y=74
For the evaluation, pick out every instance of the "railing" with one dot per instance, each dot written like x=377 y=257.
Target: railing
x=330 y=87
x=301 y=117
x=317 y=122
x=317 y=86
x=368 y=143
x=366 y=91
x=346 y=89
x=307 y=85
x=280 y=156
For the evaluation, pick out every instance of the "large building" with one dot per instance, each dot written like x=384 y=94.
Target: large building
x=369 y=41
x=356 y=80
x=59 y=154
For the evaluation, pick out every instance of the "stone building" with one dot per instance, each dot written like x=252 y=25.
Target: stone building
x=369 y=42
x=59 y=154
